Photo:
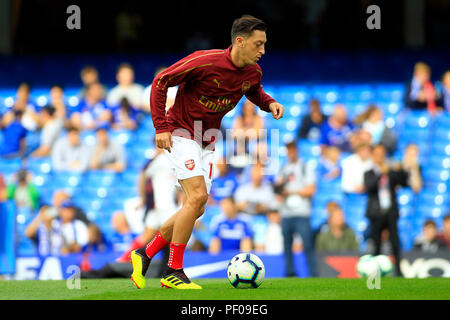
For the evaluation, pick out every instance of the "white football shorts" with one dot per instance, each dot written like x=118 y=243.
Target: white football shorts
x=188 y=159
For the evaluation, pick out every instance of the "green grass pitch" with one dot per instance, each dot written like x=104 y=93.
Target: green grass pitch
x=220 y=289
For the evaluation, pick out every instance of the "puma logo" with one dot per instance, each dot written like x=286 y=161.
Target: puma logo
x=217 y=82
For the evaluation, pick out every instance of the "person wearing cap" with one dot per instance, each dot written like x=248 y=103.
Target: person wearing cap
x=51 y=129
x=107 y=154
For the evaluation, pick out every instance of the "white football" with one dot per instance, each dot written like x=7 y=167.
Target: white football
x=246 y=270
x=385 y=264
x=367 y=266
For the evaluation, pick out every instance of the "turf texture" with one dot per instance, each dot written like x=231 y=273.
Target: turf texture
x=220 y=289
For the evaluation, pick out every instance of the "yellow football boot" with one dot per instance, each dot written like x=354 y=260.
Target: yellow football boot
x=176 y=279
x=140 y=263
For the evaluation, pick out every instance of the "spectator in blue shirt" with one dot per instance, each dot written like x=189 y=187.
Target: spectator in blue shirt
x=312 y=122
x=231 y=233
x=92 y=112
x=337 y=130
x=444 y=93
x=329 y=168
x=14 y=134
x=23 y=103
x=96 y=241
x=224 y=184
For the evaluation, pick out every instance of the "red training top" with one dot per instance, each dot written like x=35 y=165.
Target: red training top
x=210 y=85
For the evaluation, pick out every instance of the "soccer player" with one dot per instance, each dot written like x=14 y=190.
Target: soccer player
x=210 y=83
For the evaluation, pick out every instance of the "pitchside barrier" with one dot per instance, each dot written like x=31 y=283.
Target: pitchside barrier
x=204 y=265
x=7 y=238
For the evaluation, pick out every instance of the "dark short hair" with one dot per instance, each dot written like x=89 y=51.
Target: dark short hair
x=446 y=217
x=291 y=145
x=57 y=85
x=125 y=65
x=49 y=109
x=25 y=84
x=245 y=25
x=429 y=222
x=72 y=129
x=87 y=69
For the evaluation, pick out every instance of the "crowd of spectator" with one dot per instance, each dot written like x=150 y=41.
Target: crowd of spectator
x=266 y=213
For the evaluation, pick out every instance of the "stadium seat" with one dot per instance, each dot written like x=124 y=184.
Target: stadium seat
x=435 y=174
x=290 y=94
x=405 y=197
x=124 y=137
x=100 y=178
x=443 y=121
x=326 y=93
x=360 y=93
x=9 y=166
x=39 y=165
x=389 y=91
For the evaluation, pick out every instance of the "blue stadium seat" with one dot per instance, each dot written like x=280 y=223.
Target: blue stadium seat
x=430 y=211
x=66 y=179
x=389 y=91
x=405 y=197
x=357 y=93
x=389 y=108
x=443 y=121
x=39 y=165
x=440 y=147
x=9 y=166
x=414 y=135
x=441 y=134
x=290 y=95
x=128 y=178
x=435 y=174
x=326 y=93
x=100 y=178
x=308 y=149
x=355 y=109
x=354 y=199
x=124 y=137
x=406 y=235
x=418 y=119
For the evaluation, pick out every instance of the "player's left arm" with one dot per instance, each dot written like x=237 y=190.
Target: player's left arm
x=259 y=97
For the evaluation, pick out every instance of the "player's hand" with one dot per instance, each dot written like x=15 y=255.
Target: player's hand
x=277 y=110
x=164 y=140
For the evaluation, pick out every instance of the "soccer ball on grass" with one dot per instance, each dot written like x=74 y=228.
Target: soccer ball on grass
x=246 y=270
x=369 y=265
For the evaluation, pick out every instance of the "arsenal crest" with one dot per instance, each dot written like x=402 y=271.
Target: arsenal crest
x=245 y=86
x=190 y=164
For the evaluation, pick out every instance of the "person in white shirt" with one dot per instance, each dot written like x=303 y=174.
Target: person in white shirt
x=74 y=232
x=126 y=88
x=51 y=128
x=253 y=200
x=354 y=167
x=70 y=154
x=295 y=185
x=157 y=182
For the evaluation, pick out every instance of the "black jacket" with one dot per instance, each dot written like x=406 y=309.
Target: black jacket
x=371 y=179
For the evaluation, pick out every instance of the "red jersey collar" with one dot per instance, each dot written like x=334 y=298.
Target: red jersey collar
x=228 y=54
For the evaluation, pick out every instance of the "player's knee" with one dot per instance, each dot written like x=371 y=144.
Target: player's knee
x=198 y=200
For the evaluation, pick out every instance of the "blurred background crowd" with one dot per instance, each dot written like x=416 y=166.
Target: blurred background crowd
x=362 y=158
x=365 y=177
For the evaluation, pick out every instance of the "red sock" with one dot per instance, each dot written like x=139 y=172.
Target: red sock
x=176 y=255
x=156 y=245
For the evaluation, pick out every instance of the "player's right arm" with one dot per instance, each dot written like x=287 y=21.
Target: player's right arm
x=184 y=70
